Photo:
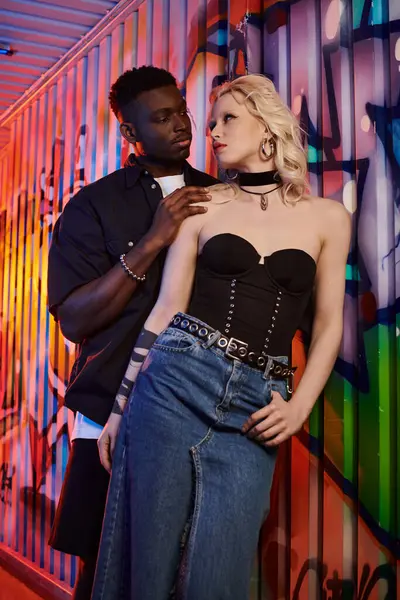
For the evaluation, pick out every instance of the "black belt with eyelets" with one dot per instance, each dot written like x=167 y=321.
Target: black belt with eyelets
x=234 y=348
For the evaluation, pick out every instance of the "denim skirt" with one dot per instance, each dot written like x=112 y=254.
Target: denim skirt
x=189 y=491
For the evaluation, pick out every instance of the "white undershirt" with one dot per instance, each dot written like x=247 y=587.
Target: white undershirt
x=85 y=428
x=170 y=184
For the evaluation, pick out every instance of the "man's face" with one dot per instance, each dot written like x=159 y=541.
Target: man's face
x=162 y=125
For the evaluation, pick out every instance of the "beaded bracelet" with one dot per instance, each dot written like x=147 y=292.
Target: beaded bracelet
x=128 y=271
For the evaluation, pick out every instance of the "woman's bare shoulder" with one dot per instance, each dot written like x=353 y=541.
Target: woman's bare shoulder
x=327 y=208
x=331 y=214
x=221 y=193
x=219 y=197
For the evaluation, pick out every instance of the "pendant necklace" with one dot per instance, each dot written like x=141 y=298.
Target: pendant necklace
x=259 y=179
x=263 y=196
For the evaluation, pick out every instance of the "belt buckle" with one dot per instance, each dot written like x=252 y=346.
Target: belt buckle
x=290 y=384
x=233 y=340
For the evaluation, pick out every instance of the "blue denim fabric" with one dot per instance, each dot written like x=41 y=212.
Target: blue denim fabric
x=189 y=492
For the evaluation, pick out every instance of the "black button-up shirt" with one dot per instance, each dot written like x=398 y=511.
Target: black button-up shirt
x=104 y=220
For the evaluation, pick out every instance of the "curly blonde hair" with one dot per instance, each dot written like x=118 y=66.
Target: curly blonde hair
x=263 y=102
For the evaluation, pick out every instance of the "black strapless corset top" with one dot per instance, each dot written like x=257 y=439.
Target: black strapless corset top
x=230 y=255
x=259 y=300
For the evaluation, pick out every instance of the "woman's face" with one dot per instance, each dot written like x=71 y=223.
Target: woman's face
x=237 y=135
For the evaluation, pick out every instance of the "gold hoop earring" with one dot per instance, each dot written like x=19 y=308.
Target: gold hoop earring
x=272 y=149
x=263 y=148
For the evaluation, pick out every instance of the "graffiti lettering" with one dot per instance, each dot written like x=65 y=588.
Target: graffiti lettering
x=6 y=482
x=335 y=588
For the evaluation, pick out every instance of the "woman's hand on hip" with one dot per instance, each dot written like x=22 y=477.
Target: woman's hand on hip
x=274 y=423
x=107 y=439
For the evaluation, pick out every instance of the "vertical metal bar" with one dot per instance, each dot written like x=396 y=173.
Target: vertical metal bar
x=91 y=86
x=114 y=140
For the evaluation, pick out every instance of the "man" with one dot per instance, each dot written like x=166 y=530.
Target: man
x=105 y=266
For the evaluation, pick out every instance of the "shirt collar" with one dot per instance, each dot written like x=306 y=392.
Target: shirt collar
x=133 y=171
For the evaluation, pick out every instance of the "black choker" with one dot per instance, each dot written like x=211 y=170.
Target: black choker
x=258 y=179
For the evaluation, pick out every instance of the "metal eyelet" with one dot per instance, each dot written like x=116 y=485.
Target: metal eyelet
x=177 y=320
x=203 y=332
x=261 y=361
x=193 y=328
x=242 y=352
x=251 y=357
x=185 y=323
x=222 y=343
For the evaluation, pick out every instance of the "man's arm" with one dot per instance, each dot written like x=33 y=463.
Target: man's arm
x=94 y=305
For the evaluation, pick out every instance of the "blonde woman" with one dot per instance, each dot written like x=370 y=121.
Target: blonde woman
x=195 y=455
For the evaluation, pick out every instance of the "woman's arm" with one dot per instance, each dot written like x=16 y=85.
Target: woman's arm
x=176 y=288
x=174 y=296
x=280 y=419
x=328 y=314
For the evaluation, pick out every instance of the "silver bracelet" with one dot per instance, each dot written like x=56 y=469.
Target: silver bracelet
x=128 y=271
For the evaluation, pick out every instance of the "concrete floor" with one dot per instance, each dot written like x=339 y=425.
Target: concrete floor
x=12 y=589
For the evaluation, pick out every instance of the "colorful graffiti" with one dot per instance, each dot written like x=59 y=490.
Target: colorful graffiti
x=335 y=525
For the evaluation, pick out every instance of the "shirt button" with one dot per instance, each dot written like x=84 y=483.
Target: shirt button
x=153 y=186
x=130 y=244
x=146 y=172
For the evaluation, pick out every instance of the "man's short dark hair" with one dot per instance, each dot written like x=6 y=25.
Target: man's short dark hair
x=135 y=81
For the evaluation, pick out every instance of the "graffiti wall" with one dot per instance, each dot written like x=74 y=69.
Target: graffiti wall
x=334 y=529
